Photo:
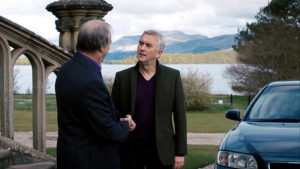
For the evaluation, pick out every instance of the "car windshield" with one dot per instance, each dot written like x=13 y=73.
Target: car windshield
x=277 y=104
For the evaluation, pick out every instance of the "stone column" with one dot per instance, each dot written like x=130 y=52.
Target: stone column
x=72 y=14
x=6 y=90
x=38 y=101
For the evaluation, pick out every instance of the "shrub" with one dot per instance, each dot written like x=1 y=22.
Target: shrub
x=108 y=81
x=197 y=90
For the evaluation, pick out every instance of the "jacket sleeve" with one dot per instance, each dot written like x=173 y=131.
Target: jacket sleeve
x=100 y=113
x=180 y=118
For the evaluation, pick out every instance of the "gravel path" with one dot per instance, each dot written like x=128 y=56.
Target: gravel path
x=205 y=138
x=193 y=138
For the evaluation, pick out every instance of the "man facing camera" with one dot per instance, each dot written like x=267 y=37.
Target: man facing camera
x=153 y=95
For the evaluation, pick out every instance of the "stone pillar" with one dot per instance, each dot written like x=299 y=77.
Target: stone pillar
x=6 y=91
x=72 y=14
x=39 y=108
x=38 y=101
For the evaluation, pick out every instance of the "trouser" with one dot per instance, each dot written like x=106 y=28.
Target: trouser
x=141 y=156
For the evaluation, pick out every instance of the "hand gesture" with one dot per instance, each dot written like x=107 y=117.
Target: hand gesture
x=132 y=124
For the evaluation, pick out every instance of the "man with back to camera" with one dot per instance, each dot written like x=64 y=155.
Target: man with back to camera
x=153 y=94
x=89 y=127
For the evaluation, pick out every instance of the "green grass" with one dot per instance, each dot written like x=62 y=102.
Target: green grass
x=238 y=102
x=23 y=112
x=24 y=102
x=208 y=121
x=23 y=120
x=198 y=155
x=51 y=152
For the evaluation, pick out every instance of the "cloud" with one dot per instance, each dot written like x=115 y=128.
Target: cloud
x=153 y=7
x=17 y=7
x=238 y=8
x=210 y=18
x=160 y=15
x=32 y=15
x=132 y=17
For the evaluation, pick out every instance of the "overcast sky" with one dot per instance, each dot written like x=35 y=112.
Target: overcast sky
x=132 y=17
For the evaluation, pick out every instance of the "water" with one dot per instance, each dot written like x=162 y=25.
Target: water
x=220 y=85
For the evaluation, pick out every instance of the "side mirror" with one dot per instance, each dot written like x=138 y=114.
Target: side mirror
x=233 y=114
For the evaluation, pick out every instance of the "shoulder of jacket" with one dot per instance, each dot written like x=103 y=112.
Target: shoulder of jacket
x=126 y=71
x=168 y=69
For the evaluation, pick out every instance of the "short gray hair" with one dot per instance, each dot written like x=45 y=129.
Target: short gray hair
x=93 y=35
x=160 y=38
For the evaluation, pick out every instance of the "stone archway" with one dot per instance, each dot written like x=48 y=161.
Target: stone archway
x=7 y=115
x=44 y=57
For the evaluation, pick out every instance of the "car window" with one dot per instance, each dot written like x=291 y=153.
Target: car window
x=277 y=102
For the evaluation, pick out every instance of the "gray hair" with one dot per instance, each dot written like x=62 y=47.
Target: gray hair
x=93 y=35
x=160 y=38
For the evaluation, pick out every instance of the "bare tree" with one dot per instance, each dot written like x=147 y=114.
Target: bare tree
x=268 y=48
x=16 y=84
x=28 y=91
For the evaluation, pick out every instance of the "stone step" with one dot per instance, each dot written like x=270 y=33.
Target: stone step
x=39 y=165
x=4 y=153
x=5 y=158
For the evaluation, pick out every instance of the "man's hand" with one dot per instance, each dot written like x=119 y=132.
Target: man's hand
x=132 y=124
x=178 y=162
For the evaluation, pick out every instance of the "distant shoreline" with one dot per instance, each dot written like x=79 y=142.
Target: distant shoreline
x=214 y=57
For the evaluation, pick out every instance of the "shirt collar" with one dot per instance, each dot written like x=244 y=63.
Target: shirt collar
x=157 y=66
x=95 y=65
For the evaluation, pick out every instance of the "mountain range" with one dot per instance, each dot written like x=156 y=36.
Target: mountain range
x=176 y=42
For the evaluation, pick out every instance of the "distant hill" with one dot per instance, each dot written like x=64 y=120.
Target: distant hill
x=176 y=42
x=124 y=44
x=215 y=57
x=22 y=61
x=178 y=36
x=180 y=48
x=202 y=45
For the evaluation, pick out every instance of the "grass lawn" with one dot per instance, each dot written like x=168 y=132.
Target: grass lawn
x=23 y=120
x=198 y=122
x=23 y=112
x=200 y=156
x=51 y=152
x=208 y=121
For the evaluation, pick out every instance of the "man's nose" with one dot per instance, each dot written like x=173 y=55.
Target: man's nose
x=142 y=47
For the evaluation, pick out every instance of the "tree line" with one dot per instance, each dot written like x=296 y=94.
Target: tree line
x=268 y=49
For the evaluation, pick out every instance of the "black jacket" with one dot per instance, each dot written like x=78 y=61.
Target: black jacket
x=170 y=139
x=89 y=128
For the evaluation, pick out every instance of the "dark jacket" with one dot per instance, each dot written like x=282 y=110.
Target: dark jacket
x=169 y=101
x=89 y=130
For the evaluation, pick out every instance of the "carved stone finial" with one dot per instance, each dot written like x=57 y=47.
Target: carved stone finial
x=72 y=14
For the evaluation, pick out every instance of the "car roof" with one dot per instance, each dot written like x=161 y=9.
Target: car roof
x=285 y=83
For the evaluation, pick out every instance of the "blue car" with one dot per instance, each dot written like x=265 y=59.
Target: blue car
x=268 y=135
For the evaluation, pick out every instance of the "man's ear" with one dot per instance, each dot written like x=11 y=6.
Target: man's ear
x=159 y=54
